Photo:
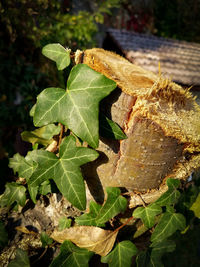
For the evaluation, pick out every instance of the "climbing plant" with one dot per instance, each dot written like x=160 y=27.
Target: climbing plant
x=67 y=119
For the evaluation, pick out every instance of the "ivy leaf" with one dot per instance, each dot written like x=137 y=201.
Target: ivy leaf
x=90 y=218
x=158 y=249
x=45 y=239
x=24 y=166
x=42 y=135
x=110 y=129
x=57 y=53
x=98 y=215
x=169 y=223
x=121 y=255
x=64 y=223
x=65 y=170
x=77 y=108
x=196 y=207
x=172 y=194
x=71 y=255
x=143 y=258
x=147 y=214
x=20 y=260
x=45 y=188
x=3 y=236
x=13 y=193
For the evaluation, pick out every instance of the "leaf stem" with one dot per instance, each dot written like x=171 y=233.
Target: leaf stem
x=61 y=134
x=124 y=224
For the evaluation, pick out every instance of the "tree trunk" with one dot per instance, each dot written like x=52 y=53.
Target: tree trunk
x=161 y=121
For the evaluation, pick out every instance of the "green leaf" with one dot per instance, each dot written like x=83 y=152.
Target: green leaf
x=147 y=214
x=24 y=166
x=158 y=250
x=110 y=129
x=172 y=194
x=20 y=260
x=98 y=215
x=64 y=223
x=121 y=255
x=169 y=223
x=45 y=188
x=64 y=170
x=90 y=218
x=57 y=53
x=13 y=193
x=42 y=135
x=45 y=239
x=77 y=108
x=71 y=255
x=196 y=207
x=143 y=258
x=3 y=236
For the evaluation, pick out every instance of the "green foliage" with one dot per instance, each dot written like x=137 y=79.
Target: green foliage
x=172 y=194
x=168 y=224
x=45 y=239
x=152 y=257
x=110 y=129
x=64 y=223
x=85 y=89
x=3 y=236
x=57 y=53
x=65 y=170
x=99 y=215
x=20 y=260
x=41 y=135
x=75 y=112
x=121 y=255
x=13 y=193
x=158 y=250
x=70 y=255
x=147 y=214
x=196 y=207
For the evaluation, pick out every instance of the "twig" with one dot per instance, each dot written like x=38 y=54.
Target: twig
x=124 y=224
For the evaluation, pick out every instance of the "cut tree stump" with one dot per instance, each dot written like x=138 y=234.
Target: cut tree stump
x=161 y=121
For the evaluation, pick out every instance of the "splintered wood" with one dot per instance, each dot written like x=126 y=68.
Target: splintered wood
x=161 y=121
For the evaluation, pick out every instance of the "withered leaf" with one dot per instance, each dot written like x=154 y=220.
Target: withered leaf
x=90 y=237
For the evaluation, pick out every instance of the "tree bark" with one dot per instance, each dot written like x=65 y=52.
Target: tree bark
x=161 y=121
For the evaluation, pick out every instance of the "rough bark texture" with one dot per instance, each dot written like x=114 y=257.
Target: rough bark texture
x=161 y=121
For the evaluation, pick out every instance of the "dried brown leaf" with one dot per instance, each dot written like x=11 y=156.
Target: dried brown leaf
x=92 y=238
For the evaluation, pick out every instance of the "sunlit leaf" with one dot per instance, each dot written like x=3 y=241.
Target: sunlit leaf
x=169 y=223
x=13 y=193
x=3 y=236
x=158 y=250
x=45 y=239
x=71 y=255
x=110 y=129
x=121 y=255
x=77 y=108
x=90 y=237
x=63 y=223
x=20 y=260
x=196 y=207
x=24 y=166
x=147 y=214
x=98 y=215
x=41 y=135
x=57 y=53
x=64 y=170
x=172 y=194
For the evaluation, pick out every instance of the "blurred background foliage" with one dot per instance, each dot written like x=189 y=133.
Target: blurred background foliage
x=26 y=26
